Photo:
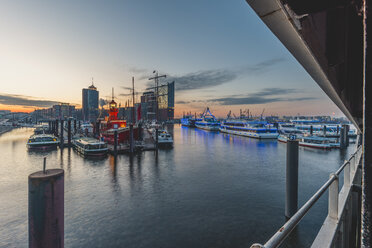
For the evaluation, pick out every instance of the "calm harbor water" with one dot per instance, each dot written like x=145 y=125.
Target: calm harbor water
x=210 y=190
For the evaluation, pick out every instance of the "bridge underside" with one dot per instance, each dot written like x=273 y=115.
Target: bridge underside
x=327 y=38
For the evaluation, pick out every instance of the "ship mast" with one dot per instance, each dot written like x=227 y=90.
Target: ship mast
x=133 y=113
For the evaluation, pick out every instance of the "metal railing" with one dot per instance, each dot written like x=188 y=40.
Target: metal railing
x=350 y=168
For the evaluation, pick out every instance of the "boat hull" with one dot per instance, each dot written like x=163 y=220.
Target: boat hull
x=306 y=144
x=251 y=134
x=42 y=147
x=208 y=128
x=91 y=153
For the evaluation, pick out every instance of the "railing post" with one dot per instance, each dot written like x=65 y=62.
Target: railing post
x=333 y=198
x=352 y=163
x=291 y=198
x=347 y=174
x=257 y=246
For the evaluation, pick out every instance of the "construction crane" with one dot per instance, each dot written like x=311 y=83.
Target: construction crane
x=229 y=114
x=262 y=113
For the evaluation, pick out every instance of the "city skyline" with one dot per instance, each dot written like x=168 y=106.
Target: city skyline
x=219 y=54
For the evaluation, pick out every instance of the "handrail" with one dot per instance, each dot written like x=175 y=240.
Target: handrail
x=287 y=228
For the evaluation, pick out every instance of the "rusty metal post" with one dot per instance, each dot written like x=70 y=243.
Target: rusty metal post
x=291 y=199
x=131 y=138
x=69 y=132
x=115 y=142
x=46 y=208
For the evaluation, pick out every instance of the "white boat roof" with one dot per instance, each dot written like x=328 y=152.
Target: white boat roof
x=90 y=141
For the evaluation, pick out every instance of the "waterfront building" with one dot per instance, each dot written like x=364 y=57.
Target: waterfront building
x=90 y=103
x=63 y=111
x=165 y=103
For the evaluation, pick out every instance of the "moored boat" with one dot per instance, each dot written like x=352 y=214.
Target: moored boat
x=189 y=121
x=254 y=129
x=310 y=141
x=208 y=122
x=164 y=138
x=90 y=147
x=42 y=142
x=112 y=124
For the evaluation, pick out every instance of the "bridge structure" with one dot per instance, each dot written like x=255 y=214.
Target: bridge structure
x=330 y=39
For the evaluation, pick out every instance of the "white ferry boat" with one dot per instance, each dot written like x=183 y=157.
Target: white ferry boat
x=208 y=122
x=42 y=142
x=254 y=129
x=90 y=147
x=310 y=141
x=164 y=138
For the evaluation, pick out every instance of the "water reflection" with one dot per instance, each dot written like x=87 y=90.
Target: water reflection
x=210 y=190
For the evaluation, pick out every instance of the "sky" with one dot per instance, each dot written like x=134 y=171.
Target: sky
x=218 y=52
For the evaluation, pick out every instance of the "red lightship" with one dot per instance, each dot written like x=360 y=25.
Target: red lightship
x=112 y=124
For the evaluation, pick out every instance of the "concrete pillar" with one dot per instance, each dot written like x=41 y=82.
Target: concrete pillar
x=46 y=209
x=62 y=138
x=131 y=138
x=115 y=142
x=69 y=132
x=291 y=199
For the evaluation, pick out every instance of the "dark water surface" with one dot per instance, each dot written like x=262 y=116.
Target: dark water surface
x=210 y=190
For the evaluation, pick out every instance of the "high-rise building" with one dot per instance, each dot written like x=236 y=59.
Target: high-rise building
x=165 y=103
x=63 y=111
x=90 y=103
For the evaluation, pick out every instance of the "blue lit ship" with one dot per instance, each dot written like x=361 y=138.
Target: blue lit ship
x=208 y=122
x=254 y=129
x=188 y=121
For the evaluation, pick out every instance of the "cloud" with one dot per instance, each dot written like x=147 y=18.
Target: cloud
x=26 y=101
x=210 y=78
x=182 y=102
x=267 y=95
